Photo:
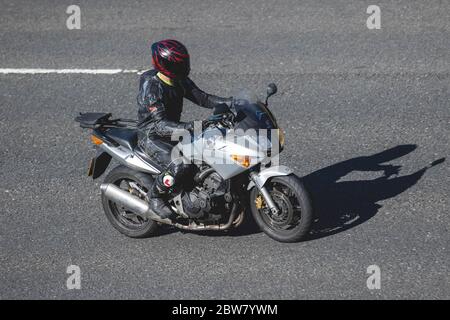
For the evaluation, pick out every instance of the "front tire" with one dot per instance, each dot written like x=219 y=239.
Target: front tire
x=124 y=220
x=293 y=223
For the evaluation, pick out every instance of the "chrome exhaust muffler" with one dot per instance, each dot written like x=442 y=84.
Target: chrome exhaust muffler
x=131 y=202
x=142 y=208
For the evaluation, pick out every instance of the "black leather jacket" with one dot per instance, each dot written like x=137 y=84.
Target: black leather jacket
x=161 y=104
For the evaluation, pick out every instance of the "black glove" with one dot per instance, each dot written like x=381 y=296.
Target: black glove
x=229 y=102
x=215 y=100
x=221 y=108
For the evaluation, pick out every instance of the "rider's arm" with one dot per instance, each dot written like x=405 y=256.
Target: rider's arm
x=197 y=96
x=160 y=124
x=163 y=126
x=152 y=112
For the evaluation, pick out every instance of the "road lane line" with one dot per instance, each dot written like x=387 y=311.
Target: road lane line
x=69 y=71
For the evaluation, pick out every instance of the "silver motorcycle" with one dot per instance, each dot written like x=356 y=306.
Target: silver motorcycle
x=234 y=172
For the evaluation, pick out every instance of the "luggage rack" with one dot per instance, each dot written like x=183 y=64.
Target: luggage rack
x=95 y=120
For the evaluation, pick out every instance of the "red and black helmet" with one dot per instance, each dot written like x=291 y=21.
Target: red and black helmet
x=171 y=58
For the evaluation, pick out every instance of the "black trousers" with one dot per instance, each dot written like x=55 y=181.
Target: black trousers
x=160 y=151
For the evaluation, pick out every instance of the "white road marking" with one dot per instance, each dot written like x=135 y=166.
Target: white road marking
x=82 y=71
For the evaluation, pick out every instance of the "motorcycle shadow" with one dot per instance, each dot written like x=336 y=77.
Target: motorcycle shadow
x=342 y=205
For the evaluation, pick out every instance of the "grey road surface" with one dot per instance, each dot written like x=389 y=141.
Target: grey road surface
x=366 y=114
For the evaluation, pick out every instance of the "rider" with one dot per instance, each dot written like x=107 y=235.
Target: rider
x=160 y=101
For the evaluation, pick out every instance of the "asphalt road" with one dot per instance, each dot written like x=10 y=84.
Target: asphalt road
x=366 y=114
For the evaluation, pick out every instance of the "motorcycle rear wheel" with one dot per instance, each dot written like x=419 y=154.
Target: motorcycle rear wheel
x=125 y=221
x=293 y=222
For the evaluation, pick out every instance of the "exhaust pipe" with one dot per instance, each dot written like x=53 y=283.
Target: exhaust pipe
x=141 y=208
x=131 y=202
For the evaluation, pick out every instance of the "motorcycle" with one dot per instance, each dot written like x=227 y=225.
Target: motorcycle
x=233 y=169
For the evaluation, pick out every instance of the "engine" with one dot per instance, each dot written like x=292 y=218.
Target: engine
x=208 y=199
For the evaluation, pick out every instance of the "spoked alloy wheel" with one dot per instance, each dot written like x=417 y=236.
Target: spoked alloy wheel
x=124 y=220
x=293 y=221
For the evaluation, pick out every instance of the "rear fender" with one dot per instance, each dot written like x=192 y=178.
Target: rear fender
x=100 y=163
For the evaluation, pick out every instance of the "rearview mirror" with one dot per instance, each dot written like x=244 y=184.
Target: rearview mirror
x=271 y=90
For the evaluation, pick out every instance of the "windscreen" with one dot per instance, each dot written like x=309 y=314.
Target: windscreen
x=251 y=113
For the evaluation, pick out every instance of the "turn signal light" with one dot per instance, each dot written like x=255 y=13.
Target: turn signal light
x=281 y=137
x=242 y=160
x=96 y=140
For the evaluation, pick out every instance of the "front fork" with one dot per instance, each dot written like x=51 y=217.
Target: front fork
x=265 y=193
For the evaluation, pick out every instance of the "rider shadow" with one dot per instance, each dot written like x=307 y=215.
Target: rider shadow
x=341 y=205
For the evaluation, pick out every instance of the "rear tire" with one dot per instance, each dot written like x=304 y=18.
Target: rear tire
x=123 y=220
x=296 y=213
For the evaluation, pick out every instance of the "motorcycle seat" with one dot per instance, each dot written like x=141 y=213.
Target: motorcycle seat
x=141 y=154
x=123 y=136
x=91 y=119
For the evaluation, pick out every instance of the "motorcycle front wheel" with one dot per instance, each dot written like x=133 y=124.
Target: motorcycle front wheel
x=124 y=220
x=293 y=221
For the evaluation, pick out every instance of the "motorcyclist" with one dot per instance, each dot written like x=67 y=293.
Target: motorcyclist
x=160 y=102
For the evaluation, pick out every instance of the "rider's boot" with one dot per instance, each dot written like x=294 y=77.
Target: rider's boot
x=158 y=193
x=177 y=171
